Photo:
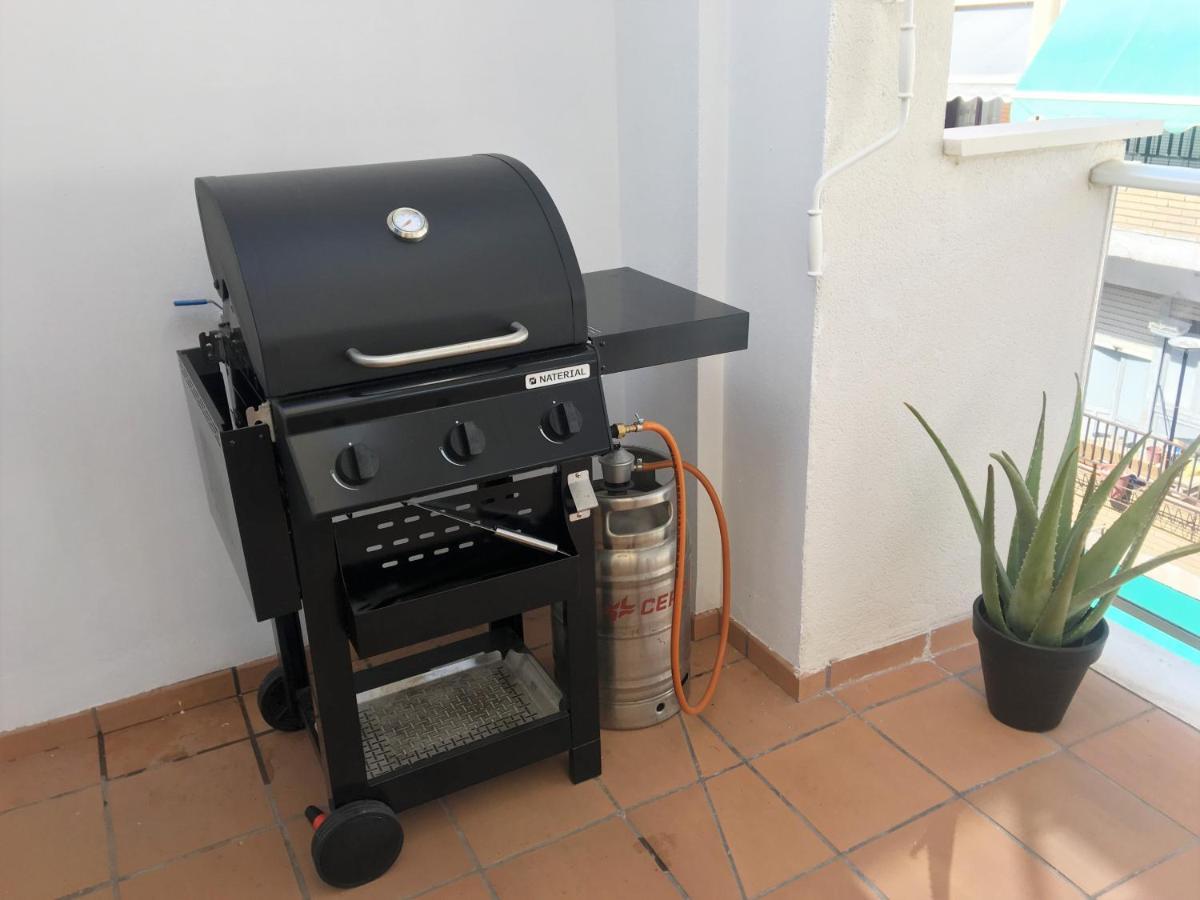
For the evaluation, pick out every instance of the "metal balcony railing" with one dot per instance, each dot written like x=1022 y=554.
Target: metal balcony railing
x=1104 y=442
x=1168 y=149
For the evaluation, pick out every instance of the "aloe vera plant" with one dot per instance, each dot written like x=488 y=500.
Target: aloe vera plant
x=1052 y=589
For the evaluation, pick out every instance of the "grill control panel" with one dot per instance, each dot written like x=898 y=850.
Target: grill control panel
x=378 y=459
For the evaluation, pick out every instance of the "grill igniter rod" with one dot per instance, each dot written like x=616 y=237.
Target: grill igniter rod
x=507 y=534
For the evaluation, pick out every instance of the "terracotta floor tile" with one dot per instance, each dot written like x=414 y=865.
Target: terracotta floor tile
x=537 y=627
x=173 y=737
x=900 y=653
x=46 y=735
x=768 y=841
x=183 y=806
x=955 y=852
x=959 y=660
x=973 y=677
x=606 y=860
x=646 y=762
x=166 y=700
x=257 y=723
x=704 y=654
x=949 y=729
x=1089 y=829
x=470 y=888
x=1176 y=879
x=879 y=688
x=526 y=807
x=832 y=882
x=256 y=866
x=681 y=829
x=1155 y=756
x=712 y=754
x=251 y=674
x=1098 y=704
x=293 y=771
x=850 y=783
x=54 y=847
x=433 y=854
x=754 y=715
x=49 y=773
x=953 y=635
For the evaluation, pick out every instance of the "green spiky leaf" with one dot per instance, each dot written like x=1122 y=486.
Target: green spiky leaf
x=1048 y=632
x=1026 y=518
x=1093 y=501
x=1085 y=596
x=1036 y=581
x=1033 y=474
x=1070 y=447
x=987 y=558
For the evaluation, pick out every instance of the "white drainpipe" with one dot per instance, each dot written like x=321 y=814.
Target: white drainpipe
x=907 y=73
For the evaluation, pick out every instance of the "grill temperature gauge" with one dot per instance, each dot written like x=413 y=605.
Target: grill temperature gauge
x=408 y=224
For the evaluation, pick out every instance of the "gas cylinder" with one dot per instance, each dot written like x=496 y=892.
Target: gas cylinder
x=635 y=571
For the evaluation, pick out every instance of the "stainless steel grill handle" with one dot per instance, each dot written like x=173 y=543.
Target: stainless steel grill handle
x=518 y=335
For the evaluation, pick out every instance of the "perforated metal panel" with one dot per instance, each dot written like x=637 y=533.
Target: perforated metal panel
x=396 y=551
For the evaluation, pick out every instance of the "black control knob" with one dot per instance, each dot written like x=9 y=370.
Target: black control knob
x=465 y=441
x=356 y=464
x=562 y=421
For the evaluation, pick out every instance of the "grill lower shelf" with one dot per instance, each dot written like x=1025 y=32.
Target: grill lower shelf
x=452 y=706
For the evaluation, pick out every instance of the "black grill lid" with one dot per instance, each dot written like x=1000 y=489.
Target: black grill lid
x=309 y=267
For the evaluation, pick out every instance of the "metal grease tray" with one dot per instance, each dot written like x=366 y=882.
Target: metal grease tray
x=452 y=706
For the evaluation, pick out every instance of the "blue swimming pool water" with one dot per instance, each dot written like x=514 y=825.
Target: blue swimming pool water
x=1167 y=603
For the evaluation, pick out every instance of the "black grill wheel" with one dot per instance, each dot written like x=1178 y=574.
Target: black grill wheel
x=356 y=843
x=272 y=703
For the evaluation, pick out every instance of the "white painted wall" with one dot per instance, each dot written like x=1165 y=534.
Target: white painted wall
x=964 y=287
x=112 y=577
x=657 y=111
x=776 y=99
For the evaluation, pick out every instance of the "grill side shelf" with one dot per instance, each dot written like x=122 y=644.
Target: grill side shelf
x=636 y=320
x=244 y=494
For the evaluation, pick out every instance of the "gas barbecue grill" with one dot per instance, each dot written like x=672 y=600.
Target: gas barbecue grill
x=396 y=419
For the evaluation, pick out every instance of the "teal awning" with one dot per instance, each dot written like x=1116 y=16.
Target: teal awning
x=1117 y=59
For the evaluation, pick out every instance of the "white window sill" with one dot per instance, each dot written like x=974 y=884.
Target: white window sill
x=1015 y=137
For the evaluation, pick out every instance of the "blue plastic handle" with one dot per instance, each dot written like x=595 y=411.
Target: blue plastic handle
x=190 y=302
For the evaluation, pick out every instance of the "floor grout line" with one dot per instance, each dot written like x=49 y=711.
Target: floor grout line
x=956 y=794
x=110 y=834
x=712 y=808
x=1142 y=800
x=155 y=766
x=946 y=676
x=462 y=837
x=962 y=794
x=837 y=855
x=293 y=860
x=1179 y=851
x=198 y=851
x=543 y=844
x=659 y=862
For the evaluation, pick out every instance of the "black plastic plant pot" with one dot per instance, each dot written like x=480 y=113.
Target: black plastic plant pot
x=1030 y=687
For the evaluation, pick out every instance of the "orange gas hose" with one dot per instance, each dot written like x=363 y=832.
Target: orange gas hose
x=679 y=466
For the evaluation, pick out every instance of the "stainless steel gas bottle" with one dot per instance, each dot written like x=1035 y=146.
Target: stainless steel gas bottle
x=635 y=574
